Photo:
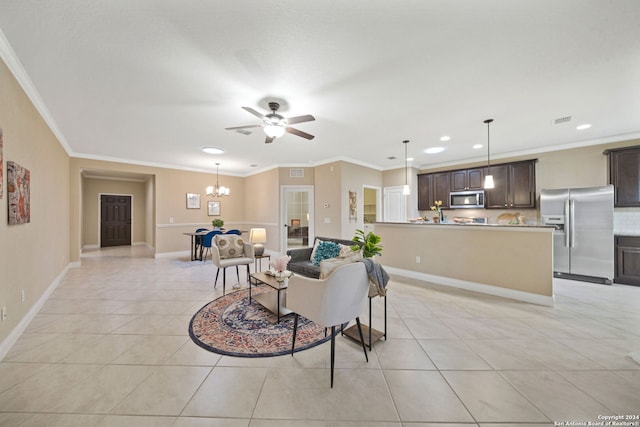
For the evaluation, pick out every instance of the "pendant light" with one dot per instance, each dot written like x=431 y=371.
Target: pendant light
x=488 y=178
x=217 y=191
x=406 y=190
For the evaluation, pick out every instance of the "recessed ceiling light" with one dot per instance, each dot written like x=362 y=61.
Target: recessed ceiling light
x=434 y=150
x=477 y=146
x=445 y=138
x=583 y=127
x=212 y=150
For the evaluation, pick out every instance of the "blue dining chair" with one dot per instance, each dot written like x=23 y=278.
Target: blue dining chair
x=198 y=241
x=233 y=231
x=207 y=242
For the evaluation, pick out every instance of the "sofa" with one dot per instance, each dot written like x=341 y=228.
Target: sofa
x=301 y=263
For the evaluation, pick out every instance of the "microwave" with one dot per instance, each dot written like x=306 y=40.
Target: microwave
x=466 y=199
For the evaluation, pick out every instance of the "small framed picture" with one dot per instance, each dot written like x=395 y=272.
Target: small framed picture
x=193 y=201
x=213 y=208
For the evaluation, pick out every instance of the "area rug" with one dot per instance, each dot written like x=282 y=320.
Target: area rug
x=231 y=326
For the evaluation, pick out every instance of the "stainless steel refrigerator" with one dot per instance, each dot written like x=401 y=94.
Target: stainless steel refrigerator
x=583 y=236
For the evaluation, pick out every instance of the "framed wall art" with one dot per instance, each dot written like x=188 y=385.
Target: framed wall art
x=18 y=193
x=213 y=208
x=353 y=204
x=193 y=201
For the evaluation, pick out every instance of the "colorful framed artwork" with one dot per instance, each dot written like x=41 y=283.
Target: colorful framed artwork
x=213 y=208
x=18 y=193
x=193 y=201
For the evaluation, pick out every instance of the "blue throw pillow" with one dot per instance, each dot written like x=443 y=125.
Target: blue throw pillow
x=325 y=250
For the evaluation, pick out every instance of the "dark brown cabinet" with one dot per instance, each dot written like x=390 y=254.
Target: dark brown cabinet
x=425 y=191
x=432 y=187
x=627 y=260
x=515 y=186
x=624 y=174
x=442 y=187
x=467 y=179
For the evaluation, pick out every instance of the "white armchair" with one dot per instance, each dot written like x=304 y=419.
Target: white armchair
x=333 y=301
x=222 y=262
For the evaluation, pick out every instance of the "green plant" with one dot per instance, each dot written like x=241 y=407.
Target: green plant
x=217 y=222
x=370 y=243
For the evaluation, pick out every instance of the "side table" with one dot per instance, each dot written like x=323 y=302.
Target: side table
x=258 y=261
x=370 y=335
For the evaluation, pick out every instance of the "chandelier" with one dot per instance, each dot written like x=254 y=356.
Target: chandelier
x=217 y=191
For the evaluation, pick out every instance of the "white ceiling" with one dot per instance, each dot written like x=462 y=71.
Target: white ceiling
x=153 y=81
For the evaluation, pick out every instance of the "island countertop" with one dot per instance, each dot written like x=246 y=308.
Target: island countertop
x=511 y=260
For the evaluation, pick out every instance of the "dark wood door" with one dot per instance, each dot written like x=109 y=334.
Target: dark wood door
x=459 y=180
x=475 y=178
x=115 y=220
x=442 y=187
x=522 y=193
x=627 y=260
x=425 y=193
x=498 y=197
x=624 y=169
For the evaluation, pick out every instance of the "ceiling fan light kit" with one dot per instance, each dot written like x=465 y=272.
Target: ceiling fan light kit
x=275 y=125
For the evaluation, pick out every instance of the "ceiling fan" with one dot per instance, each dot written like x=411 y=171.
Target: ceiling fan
x=276 y=125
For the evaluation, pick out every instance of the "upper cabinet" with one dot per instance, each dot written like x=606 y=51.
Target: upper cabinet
x=515 y=186
x=432 y=187
x=467 y=179
x=624 y=174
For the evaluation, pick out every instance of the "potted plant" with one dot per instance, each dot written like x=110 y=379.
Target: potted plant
x=370 y=243
x=217 y=223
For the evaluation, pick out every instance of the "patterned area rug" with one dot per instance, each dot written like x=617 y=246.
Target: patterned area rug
x=231 y=326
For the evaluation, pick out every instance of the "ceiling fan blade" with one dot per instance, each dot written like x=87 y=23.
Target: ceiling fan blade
x=255 y=113
x=269 y=140
x=243 y=127
x=300 y=119
x=299 y=133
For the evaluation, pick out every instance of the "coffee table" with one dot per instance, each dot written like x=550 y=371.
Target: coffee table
x=272 y=301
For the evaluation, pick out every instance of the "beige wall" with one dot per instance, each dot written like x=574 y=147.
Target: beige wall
x=262 y=205
x=93 y=188
x=354 y=178
x=328 y=200
x=32 y=255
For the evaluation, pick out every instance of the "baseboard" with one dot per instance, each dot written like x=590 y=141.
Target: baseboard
x=11 y=339
x=475 y=287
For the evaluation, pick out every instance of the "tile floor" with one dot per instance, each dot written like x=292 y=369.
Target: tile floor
x=111 y=348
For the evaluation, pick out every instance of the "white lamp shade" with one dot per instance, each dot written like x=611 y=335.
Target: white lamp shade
x=406 y=190
x=209 y=190
x=258 y=235
x=274 y=131
x=488 y=182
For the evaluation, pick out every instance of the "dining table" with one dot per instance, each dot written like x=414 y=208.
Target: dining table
x=195 y=254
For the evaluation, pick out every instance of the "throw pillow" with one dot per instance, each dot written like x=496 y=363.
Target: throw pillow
x=230 y=245
x=325 y=250
x=315 y=247
x=346 y=251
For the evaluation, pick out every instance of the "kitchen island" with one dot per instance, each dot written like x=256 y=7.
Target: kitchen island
x=513 y=261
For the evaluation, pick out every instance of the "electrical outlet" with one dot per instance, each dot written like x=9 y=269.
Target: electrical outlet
x=418 y=260
x=3 y=313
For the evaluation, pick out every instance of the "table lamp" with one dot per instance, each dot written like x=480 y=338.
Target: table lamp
x=258 y=236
